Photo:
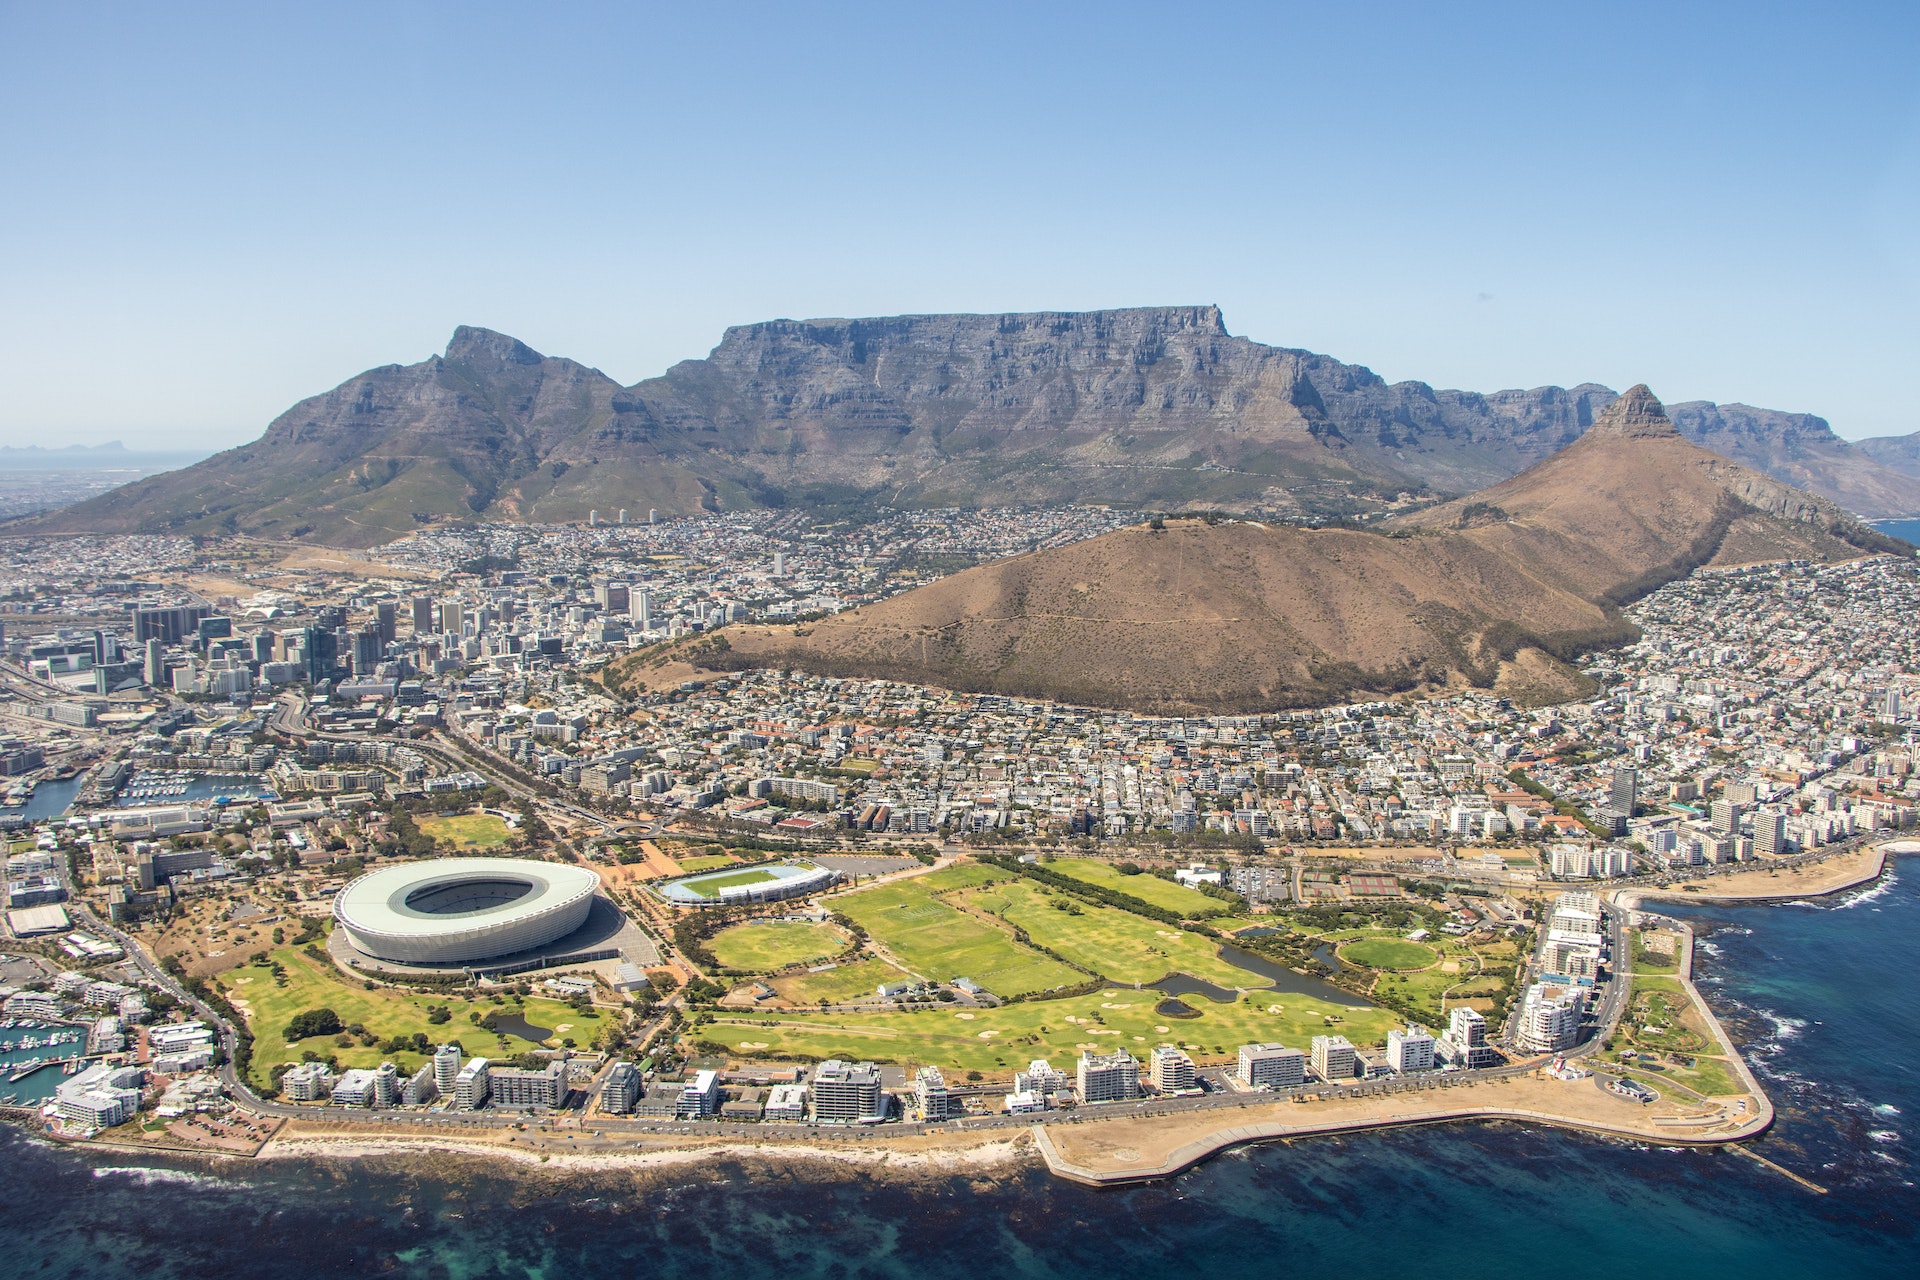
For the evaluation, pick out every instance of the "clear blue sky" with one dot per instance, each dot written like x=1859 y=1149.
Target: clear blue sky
x=208 y=212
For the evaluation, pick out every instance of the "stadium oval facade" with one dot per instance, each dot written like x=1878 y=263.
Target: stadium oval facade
x=457 y=910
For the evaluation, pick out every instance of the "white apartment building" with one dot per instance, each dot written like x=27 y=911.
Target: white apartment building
x=1171 y=1070
x=1272 y=1066
x=1335 y=1058
x=1110 y=1077
x=1411 y=1049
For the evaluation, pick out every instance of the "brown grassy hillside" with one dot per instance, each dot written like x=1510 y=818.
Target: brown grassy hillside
x=1497 y=590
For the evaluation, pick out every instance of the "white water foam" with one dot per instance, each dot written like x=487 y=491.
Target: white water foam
x=1883 y=1135
x=148 y=1177
x=1870 y=893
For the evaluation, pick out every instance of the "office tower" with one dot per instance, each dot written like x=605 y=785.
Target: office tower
x=640 y=609
x=452 y=618
x=367 y=649
x=322 y=648
x=156 y=663
x=385 y=617
x=423 y=624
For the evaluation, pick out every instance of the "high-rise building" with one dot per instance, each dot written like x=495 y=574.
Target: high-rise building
x=1890 y=706
x=1624 y=793
x=1465 y=1043
x=930 y=1094
x=322 y=650
x=1725 y=817
x=446 y=1069
x=621 y=1089
x=386 y=1085
x=1335 y=1058
x=386 y=619
x=168 y=626
x=368 y=649
x=612 y=596
x=640 y=609
x=847 y=1093
x=1550 y=1018
x=1769 y=833
x=1109 y=1077
x=452 y=618
x=471 y=1086
x=1410 y=1050
x=1272 y=1066
x=779 y=564
x=422 y=615
x=156 y=666
x=1171 y=1070
x=1741 y=793
x=517 y=1087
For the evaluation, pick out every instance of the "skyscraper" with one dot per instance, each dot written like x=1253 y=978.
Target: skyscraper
x=1624 y=793
x=384 y=617
x=156 y=667
x=423 y=620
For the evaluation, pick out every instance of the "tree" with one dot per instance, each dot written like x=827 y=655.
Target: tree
x=314 y=1022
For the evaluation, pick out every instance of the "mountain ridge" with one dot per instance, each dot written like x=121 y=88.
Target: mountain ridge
x=1152 y=407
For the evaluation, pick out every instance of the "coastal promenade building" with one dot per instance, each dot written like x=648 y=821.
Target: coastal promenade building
x=1465 y=1042
x=847 y=1093
x=1411 y=1049
x=471 y=1086
x=1335 y=1059
x=1170 y=1070
x=517 y=1087
x=621 y=1089
x=932 y=1097
x=1272 y=1066
x=1550 y=1018
x=1110 y=1077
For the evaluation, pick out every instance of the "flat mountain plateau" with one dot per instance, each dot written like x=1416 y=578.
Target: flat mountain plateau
x=1158 y=408
x=1500 y=590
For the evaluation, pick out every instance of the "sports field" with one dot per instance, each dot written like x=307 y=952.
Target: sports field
x=998 y=1041
x=1190 y=903
x=704 y=862
x=384 y=1011
x=466 y=830
x=1116 y=944
x=766 y=945
x=710 y=886
x=940 y=942
x=1388 y=953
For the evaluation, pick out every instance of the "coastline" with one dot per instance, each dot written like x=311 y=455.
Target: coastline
x=1097 y=1150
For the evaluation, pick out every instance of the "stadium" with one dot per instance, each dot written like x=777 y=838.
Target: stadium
x=460 y=910
x=726 y=888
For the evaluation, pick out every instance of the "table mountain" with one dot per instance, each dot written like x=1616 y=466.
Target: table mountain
x=1157 y=407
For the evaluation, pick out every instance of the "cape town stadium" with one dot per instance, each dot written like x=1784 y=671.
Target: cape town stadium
x=459 y=910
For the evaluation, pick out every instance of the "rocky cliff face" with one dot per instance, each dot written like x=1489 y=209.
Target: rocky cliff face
x=1157 y=407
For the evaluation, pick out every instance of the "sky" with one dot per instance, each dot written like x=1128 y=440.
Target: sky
x=210 y=212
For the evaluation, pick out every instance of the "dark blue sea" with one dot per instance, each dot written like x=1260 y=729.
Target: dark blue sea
x=1825 y=995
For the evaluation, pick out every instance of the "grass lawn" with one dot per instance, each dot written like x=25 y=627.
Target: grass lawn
x=1116 y=944
x=940 y=942
x=838 y=985
x=711 y=887
x=704 y=862
x=998 y=1041
x=1388 y=953
x=384 y=1011
x=763 y=946
x=466 y=830
x=1190 y=903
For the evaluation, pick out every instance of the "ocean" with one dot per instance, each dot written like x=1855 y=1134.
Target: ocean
x=1822 y=993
